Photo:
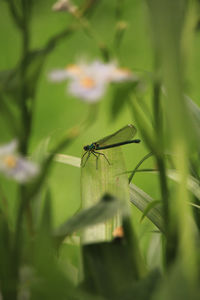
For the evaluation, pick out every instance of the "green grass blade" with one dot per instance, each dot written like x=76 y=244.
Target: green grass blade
x=105 y=209
x=149 y=207
x=192 y=183
x=95 y=182
x=142 y=200
x=68 y=160
x=138 y=165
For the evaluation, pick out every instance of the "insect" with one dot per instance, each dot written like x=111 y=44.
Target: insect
x=121 y=137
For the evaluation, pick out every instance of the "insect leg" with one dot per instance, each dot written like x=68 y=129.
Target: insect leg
x=83 y=157
x=103 y=155
x=93 y=152
x=89 y=153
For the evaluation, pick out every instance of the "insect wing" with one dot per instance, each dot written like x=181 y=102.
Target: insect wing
x=124 y=134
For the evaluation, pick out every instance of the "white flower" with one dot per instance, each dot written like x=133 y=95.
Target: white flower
x=58 y=75
x=98 y=70
x=119 y=75
x=15 y=166
x=87 y=88
x=70 y=72
x=109 y=72
x=64 y=5
x=89 y=81
x=8 y=148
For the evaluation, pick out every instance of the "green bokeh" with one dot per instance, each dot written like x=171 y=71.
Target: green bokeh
x=57 y=111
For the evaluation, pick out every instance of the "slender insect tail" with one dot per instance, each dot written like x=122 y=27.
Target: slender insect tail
x=137 y=141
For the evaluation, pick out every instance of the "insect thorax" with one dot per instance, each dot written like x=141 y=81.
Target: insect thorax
x=90 y=147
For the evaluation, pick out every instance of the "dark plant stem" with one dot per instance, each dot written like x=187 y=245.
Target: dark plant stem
x=17 y=245
x=88 y=7
x=161 y=164
x=14 y=13
x=33 y=190
x=138 y=165
x=164 y=189
x=53 y=41
x=26 y=117
x=119 y=9
x=4 y=203
x=26 y=112
x=146 y=170
x=8 y=116
x=160 y=160
x=157 y=107
x=21 y=13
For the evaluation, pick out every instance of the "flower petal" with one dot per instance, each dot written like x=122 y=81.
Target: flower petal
x=9 y=148
x=58 y=75
x=89 y=94
x=22 y=172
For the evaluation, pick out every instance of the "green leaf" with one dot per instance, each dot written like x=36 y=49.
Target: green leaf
x=41 y=151
x=96 y=180
x=192 y=183
x=109 y=177
x=51 y=279
x=142 y=289
x=175 y=285
x=194 y=111
x=35 y=186
x=5 y=259
x=109 y=271
x=144 y=125
x=148 y=208
x=139 y=164
x=68 y=160
x=9 y=82
x=141 y=200
x=46 y=221
x=105 y=209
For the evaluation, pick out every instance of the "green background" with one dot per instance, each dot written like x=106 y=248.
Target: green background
x=56 y=110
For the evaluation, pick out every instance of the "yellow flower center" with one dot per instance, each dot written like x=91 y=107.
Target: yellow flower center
x=10 y=161
x=74 y=69
x=87 y=82
x=123 y=71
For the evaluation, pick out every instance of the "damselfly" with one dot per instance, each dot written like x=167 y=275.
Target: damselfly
x=121 y=137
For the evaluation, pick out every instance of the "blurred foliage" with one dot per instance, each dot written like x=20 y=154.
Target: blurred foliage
x=49 y=250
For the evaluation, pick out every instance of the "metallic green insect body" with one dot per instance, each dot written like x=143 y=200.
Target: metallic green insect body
x=121 y=137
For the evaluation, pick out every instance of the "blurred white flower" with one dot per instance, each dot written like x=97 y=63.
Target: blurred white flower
x=110 y=72
x=15 y=166
x=70 y=72
x=64 y=5
x=119 y=75
x=87 y=88
x=89 y=81
x=74 y=71
x=58 y=75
